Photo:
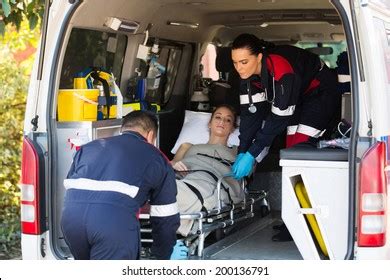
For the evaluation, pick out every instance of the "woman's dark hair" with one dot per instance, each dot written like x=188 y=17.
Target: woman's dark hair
x=251 y=43
x=231 y=109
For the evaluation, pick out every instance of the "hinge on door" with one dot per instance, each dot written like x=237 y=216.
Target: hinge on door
x=369 y=124
x=34 y=122
x=43 y=245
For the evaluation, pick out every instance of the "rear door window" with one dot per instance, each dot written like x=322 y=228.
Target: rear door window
x=92 y=48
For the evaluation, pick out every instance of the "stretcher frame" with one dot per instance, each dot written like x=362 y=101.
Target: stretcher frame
x=220 y=217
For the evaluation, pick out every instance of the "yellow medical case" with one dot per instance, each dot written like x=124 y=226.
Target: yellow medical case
x=77 y=105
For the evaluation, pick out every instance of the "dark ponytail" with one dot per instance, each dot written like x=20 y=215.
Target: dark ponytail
x=252 y=43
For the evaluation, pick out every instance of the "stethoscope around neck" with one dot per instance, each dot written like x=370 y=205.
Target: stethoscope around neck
x=252 y=108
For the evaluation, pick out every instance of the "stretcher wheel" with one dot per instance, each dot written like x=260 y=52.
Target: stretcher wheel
x=264 y=210
x=219 y=234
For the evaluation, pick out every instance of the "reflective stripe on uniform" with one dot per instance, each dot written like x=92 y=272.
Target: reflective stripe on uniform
x=310 y=131
x=94 y=185
x=164 y=210
x=344 y=78
x=256 y=98
x=292 y=129
x=287 y=112
x=263 y=154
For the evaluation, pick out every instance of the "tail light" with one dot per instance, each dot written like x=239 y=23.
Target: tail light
x=31 y=210
x=372 y=197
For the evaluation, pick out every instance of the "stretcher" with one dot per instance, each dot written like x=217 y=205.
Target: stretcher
x=223 y=216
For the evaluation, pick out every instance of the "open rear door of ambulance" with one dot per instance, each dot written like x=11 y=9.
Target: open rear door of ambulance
x=373 y=28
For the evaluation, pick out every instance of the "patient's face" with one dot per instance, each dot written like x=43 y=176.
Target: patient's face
x=222 y=122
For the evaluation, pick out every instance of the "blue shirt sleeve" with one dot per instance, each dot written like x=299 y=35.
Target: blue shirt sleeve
x=164 y=215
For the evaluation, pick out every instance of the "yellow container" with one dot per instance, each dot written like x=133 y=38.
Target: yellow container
x=80 y=83
x=112 y=111
x=77 y=105
x=129 y=107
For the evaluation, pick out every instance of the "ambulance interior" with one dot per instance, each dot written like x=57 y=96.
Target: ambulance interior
x=189 y=42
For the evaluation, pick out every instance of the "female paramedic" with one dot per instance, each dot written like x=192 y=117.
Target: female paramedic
x=281 y=87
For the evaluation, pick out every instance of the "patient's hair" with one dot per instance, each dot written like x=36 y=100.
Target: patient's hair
x=140 y=119
x=231 y=109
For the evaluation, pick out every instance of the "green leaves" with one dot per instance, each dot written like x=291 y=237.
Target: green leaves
x=14 y=74
x=2 y=27
x=6 y=7
x=14 y=11
x=11 y=116
x=33 y=21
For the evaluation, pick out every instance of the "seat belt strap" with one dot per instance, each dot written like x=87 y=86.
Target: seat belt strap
x=198 y=194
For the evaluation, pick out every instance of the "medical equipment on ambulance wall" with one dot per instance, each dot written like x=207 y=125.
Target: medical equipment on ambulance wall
x=143 y=89
x=200 y=100
x=155 y=76
x=77 y=105
x=136 y=94
x=156 y=70
x=119 y=99
x=109 y=99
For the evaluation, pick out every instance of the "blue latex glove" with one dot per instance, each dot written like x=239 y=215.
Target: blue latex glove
x=180 y=251
x=234 y=167
x=243 y=165
x=238 y=157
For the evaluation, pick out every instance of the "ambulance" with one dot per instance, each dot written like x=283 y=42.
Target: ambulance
x=333 y=201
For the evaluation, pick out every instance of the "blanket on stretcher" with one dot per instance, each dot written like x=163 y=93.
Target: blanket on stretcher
x=206 y=164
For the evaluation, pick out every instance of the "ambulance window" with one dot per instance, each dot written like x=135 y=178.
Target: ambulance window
x=91 y=48
x=329 y=59
x=171 y=56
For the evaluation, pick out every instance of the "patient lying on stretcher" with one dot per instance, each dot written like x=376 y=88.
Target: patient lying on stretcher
x=200 y=166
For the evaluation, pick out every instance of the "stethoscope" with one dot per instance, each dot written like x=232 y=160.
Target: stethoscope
x=252 y=108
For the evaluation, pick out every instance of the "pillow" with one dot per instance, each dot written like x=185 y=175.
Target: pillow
x=195 y=131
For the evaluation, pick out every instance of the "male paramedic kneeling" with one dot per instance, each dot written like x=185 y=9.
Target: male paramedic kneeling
x=284 y=87
x=109 y=180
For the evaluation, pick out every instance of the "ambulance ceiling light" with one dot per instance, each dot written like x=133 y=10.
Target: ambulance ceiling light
x=197 y=3
x=123 y=25
x=184 y=24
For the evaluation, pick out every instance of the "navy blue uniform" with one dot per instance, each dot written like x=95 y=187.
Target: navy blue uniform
x=109 y=180
x=294 y=90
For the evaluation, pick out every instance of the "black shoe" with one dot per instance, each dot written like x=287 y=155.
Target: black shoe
x=282 y=236
x=278 y=227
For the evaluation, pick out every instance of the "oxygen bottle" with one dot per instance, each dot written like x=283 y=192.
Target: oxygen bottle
x=119 y=98
x=154 y=75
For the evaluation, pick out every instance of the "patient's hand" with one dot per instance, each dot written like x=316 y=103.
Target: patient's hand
x=179 y=166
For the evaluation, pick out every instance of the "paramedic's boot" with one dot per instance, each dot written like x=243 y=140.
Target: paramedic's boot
x=283 y=235
x=278 y=227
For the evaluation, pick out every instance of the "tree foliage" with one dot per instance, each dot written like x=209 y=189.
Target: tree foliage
x=15 y=11
x=14 y=77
